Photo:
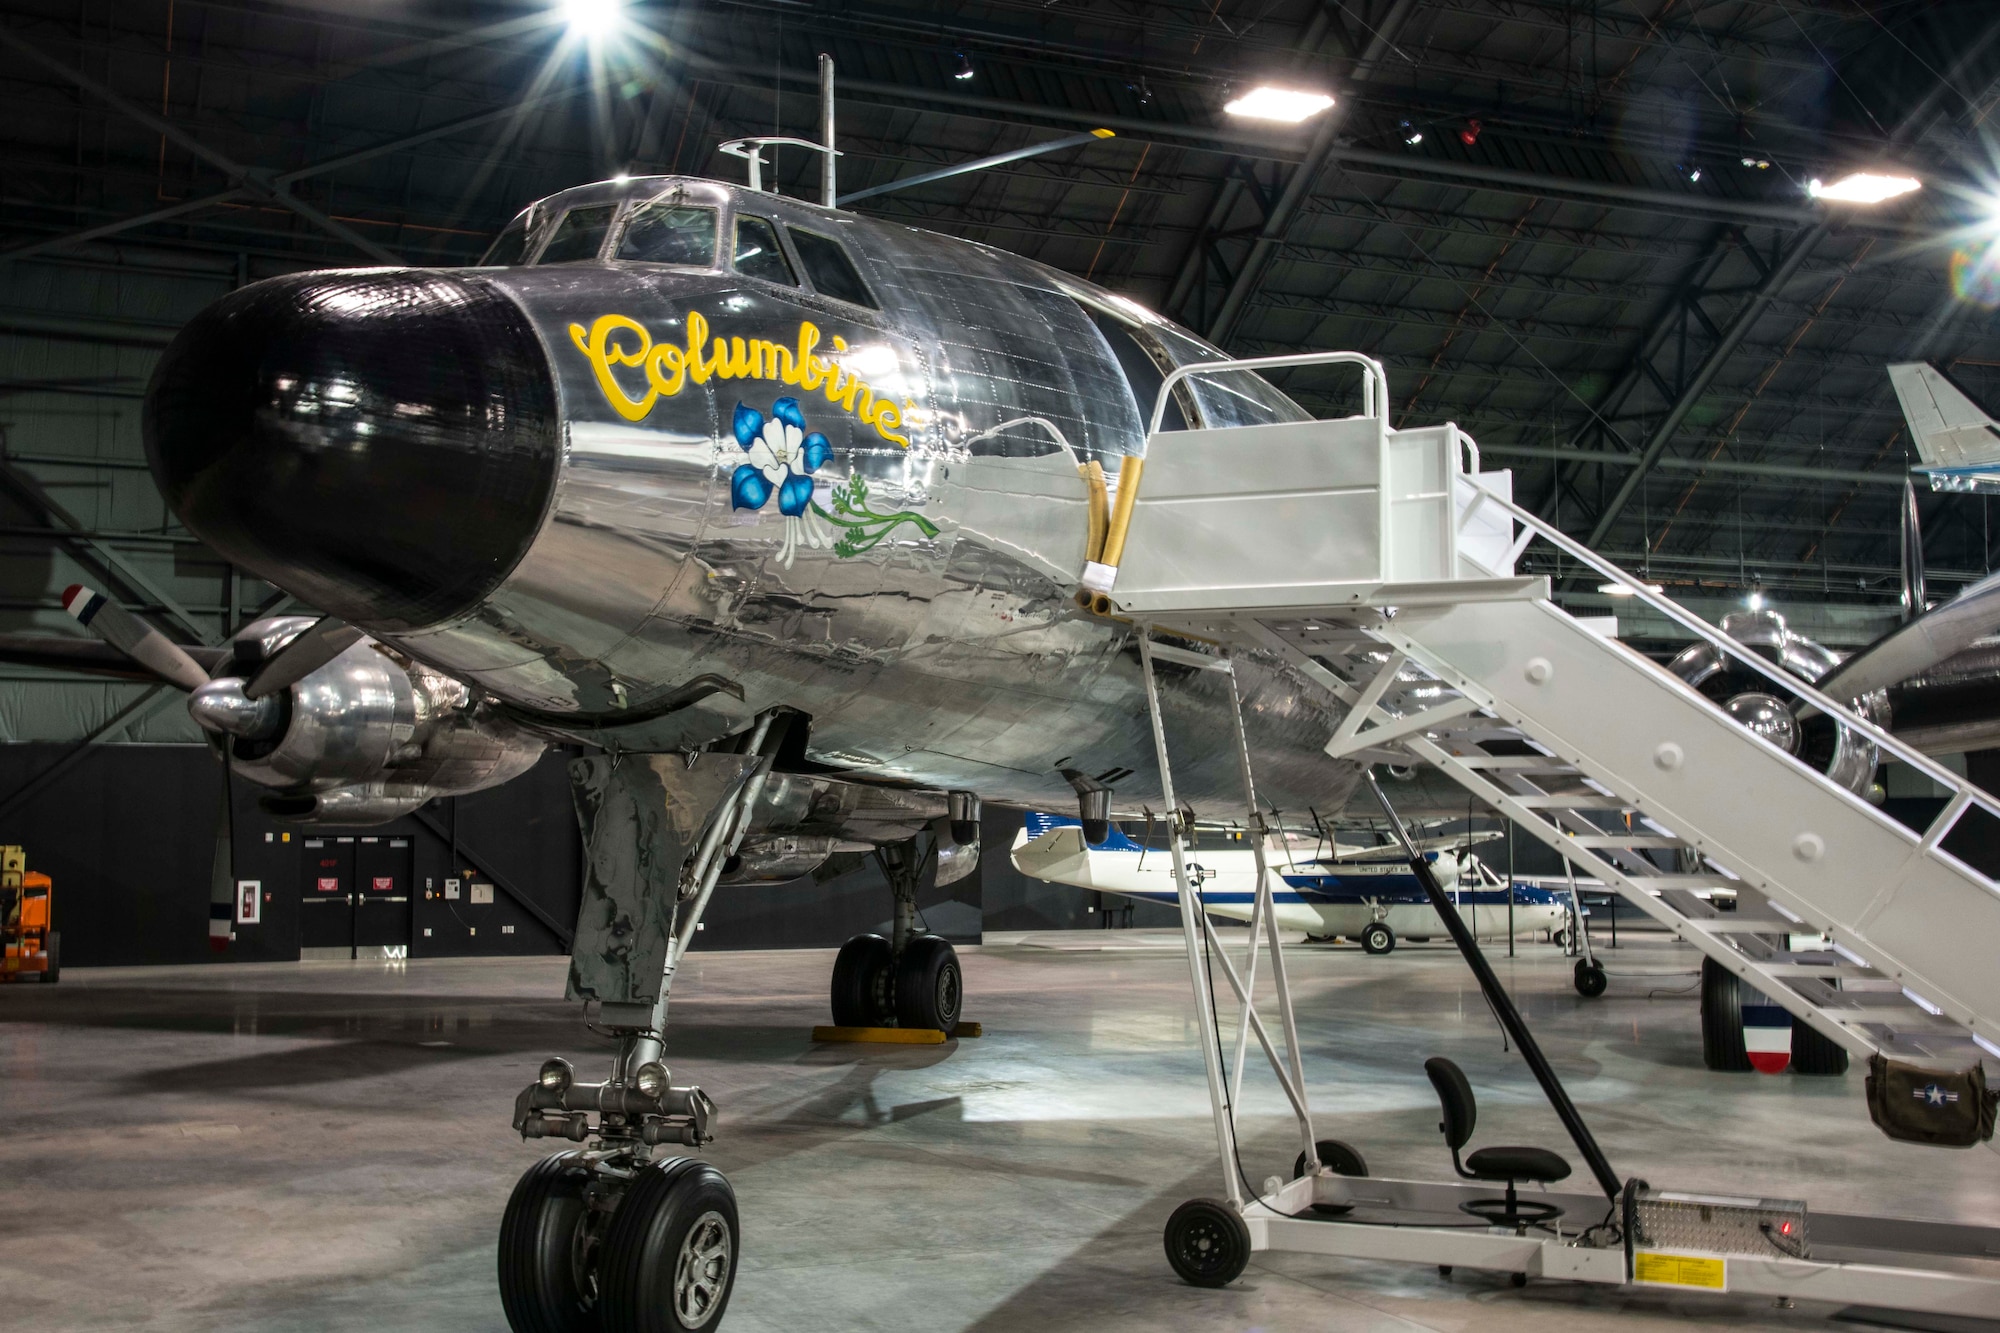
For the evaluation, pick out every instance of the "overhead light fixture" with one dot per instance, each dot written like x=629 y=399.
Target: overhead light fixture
x=964 y=70
x=1411 y=134
x=1755 y=601
x=1468 y=134
x=1286 y=104
x=592 y=18
x=1863 y=187
x=1693 y=173
x=1757 y=163
x=1626 y=589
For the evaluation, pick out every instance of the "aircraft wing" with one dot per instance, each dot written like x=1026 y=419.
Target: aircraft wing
x=1920 y=645
x=1947 y=428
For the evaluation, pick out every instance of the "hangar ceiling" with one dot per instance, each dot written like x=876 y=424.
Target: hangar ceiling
x=1576 y=227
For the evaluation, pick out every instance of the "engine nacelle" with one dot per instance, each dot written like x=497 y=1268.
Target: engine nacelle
x=1764 y=707
x=366 y=738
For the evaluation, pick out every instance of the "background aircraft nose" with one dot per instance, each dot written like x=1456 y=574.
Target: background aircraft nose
x=380 y=444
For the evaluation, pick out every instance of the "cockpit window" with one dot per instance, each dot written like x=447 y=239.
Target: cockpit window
x=758 y=253
x=670 y=233
x=832 y=272
x=510 y=246
x=578 y=235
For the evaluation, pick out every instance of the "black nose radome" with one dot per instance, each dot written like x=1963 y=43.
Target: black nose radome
x=381 y=445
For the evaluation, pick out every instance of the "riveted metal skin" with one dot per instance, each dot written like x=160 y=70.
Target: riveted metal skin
x=920 y=608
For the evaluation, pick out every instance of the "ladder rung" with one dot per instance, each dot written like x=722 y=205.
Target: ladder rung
x=1628 y=840
x=1728 y=924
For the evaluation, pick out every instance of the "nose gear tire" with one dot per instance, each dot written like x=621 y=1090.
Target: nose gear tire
x=1590 y=979
x=547 y=1251
x=670 y=1256
x=1377 y=938
x=1207 y=1243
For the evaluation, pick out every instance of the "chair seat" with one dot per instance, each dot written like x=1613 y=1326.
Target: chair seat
x=1537 y=1164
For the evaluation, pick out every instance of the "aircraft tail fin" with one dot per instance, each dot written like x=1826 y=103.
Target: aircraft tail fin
x=1947 y=428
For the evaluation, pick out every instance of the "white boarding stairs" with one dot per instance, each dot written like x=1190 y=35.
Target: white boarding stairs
x=1380 y=563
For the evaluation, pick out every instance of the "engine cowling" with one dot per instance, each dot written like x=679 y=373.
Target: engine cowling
x=366 y=738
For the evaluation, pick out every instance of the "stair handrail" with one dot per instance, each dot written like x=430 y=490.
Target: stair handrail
x=1374 y=379
x=1701 y=629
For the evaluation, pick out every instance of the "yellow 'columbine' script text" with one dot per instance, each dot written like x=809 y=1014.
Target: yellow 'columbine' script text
x=618 y=340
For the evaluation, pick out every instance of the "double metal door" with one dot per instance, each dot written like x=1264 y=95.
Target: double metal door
x=355 y=899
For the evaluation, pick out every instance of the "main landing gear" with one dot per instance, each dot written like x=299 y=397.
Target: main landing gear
x=910 y=980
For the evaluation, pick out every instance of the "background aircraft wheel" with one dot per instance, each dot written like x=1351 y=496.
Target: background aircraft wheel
x=1590 y=979
x=861 y=983
x=1722 y=1019
x=670 y=1255
x=929 y=986
x=1207 y=1243
x=1343 y=1159
x=1564 y=939
x=55 y=960
x=1378 y=938
x=1815 y=1054
x=548 y=1250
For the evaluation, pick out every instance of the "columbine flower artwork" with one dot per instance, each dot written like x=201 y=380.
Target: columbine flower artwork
x=783 y=457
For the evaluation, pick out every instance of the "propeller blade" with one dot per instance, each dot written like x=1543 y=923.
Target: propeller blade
x=222 y=874
x=133 y=637
x=328 y=638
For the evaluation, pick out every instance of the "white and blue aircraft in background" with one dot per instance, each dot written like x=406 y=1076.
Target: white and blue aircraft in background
x=1367 y=894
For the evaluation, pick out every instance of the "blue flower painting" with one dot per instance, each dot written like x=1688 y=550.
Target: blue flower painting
x=783 y=455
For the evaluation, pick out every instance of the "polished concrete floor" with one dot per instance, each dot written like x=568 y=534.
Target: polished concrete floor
x=325 y=1146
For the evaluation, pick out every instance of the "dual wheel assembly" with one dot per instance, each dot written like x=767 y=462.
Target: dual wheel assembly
x=587 y=1252
x=873 y=988
x=1722 y=1044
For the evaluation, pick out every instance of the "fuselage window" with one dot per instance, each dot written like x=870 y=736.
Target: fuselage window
x=579 y=235
x=669 y=233
x=832 y=272
x=758 y=253
x=510 y=246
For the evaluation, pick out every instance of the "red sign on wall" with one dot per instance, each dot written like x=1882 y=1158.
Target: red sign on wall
x=385 y=884
x=329 y=884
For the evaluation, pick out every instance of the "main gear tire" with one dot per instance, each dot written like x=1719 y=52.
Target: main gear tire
x=1722 y=1019
x=1815 y=1055
x=548 y=1250
x=670 y=1255
x=930 y=988
x=861 y=990
x=1207 y=1243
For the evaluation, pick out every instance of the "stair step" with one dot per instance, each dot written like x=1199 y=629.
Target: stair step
x=1662 y=883
x=1579 y=800
x=1628 y=840
x=1519 y=763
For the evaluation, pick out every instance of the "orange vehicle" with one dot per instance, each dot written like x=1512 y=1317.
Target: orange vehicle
x=33 y=950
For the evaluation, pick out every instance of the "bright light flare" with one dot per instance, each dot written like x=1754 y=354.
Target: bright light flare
x=1626 y=589
x=1286 y=104
x=1863 y=187
x=593 y=18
